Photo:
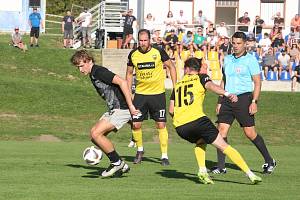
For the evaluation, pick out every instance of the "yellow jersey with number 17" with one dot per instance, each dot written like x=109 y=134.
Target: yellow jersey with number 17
x=148 y=66
x=188 y=95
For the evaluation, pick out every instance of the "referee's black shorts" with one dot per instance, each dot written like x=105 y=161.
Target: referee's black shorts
x=238 y=110
x=202 y=128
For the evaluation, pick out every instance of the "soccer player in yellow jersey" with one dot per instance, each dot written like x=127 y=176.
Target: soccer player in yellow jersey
x=191 y=124
x=148 y=62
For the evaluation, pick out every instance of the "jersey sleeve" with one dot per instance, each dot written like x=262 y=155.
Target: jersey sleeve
x=204 y=78
x=129 y=62
x=164 y=55
x=104 y=75
x=254 y=66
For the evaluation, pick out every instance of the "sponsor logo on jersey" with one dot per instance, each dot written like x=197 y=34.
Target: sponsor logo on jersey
x=146 y=65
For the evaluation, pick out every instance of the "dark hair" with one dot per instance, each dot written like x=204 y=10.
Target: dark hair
x=241 y=35
x=194 y=63
x=81 y=55
x=189 y=32
x=141 y=31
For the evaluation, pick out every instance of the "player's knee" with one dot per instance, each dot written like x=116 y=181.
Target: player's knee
x=136 y=126
x=160 y=125
x=94 y=134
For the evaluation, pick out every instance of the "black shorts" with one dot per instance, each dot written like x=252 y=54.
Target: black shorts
x=239 y=111
x=35 y=32
x=297 y=78
x=127 y=31
x=201 y=128
x=155 y=105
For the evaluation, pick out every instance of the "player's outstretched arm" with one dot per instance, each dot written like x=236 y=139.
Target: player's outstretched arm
x=220 y=91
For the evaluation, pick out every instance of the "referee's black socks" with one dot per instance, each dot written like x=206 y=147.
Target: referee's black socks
x=261 y=146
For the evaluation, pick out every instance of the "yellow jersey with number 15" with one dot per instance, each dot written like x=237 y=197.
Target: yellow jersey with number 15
x=188 y=95
x=148 y=66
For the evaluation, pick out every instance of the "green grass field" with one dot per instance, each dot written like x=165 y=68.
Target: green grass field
x=42 y=94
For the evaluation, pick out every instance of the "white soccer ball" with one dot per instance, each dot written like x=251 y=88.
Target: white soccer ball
x=92 y=155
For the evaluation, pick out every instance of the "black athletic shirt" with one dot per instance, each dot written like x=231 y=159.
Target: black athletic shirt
x=102 y=78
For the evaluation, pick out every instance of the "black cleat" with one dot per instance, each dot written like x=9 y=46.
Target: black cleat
x=165 y=162
x=138 y=157
x=217 y=170
x=269 y=167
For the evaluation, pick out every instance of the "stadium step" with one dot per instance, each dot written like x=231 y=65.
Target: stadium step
x=115 y=60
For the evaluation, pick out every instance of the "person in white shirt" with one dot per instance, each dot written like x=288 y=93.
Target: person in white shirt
x=264 y=44
x=222 y=30
x=181 y=22
x=85 y=21
x=149 y=23
x=170 y=22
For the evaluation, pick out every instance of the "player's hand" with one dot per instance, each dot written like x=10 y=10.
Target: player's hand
x=133 y=110
x=233 y=98
x=218 y=108
x=252 y=108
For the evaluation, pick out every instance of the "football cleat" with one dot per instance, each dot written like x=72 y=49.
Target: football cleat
x=269 y=167
x=138 y=157
x=165 y=162
x=112 y=169
x=204 y=178
x=217 y=170
x=131 y=144
x=255 y=179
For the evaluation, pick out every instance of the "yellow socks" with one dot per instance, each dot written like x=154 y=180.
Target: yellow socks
x=163 y=138
x=236 y=157
x=138 y=137
x=200 y=157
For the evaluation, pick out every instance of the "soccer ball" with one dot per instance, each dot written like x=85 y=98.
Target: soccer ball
x=92 y=155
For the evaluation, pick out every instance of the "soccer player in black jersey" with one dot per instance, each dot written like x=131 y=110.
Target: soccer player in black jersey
x=114 y=90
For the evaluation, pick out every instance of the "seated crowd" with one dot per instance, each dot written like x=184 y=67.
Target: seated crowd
x=278 y=54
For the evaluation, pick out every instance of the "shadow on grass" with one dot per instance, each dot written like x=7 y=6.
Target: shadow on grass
x=170 y=173
x=145 y=159
x=96 y=173
x=91 y=174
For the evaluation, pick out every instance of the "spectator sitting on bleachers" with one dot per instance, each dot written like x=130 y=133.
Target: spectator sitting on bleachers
x=16 y=40
x=210 y=30
x=295 y=24
x=251 y=44
x=187 y=43
x=284 y=62
x=157 y=40
x=264 y=44
x=222 y=30
x=172 y=44
x=269 y=63
x=170 y=22
x=149 y=22
x=200 y=20
x=225 y=49
x=295 y=78
x=278 y=20
x=212 y=41
x=294 y=53
x=181 y=22
x=199 y=42
x=276 y=38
